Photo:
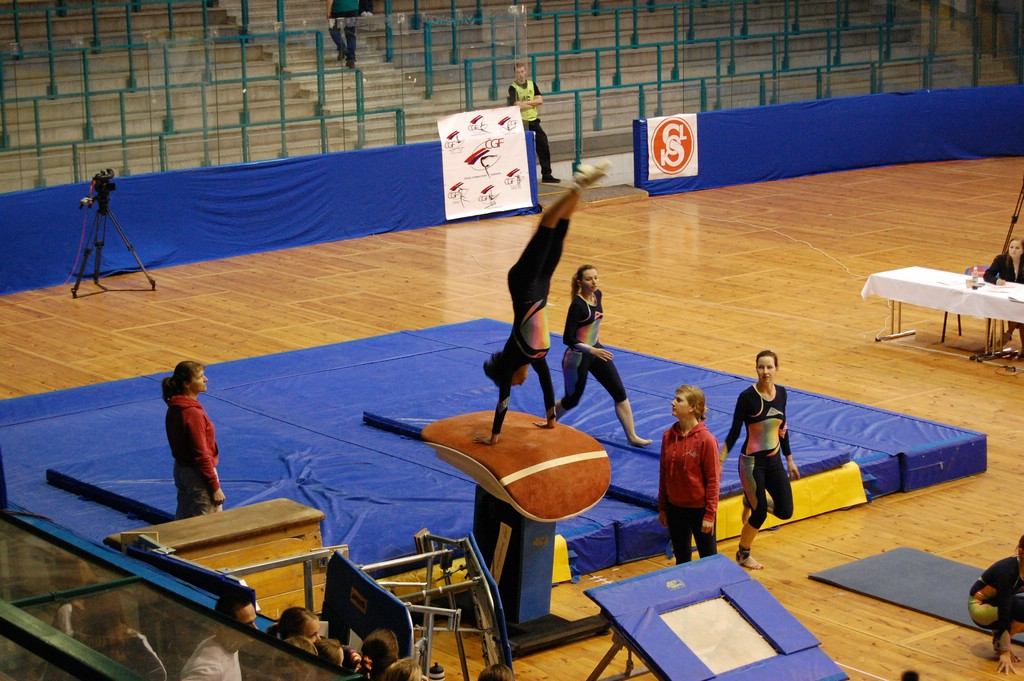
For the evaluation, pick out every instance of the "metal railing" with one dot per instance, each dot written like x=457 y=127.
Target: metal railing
x=19 y=14
x=163 y=97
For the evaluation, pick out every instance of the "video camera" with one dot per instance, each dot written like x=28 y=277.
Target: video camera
x=102 y=185
x=103 y=179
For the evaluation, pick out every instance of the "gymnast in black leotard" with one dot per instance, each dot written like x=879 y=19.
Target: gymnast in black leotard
x=585 y=354
x=762 y=408
x=529 y=281
x=996 y=603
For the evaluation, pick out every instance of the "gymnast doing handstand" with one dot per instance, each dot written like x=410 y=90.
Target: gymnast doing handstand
x=529 y=281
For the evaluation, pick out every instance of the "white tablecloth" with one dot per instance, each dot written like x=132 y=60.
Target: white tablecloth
x=947 y=291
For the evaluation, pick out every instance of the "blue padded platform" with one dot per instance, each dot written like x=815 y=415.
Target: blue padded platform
x=291 y=425
x=635 y=606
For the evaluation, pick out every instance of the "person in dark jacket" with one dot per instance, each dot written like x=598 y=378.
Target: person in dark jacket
x=996 y=603
x=1007 y=267
x=193 y=442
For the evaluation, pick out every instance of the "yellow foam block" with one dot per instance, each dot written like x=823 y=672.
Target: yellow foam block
x=816 y=494
x=560 y=571
x=813 y=495
x=419 y=575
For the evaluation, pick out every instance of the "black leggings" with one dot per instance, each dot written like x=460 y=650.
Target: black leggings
x=575 y=367
x=762 y=476
x=684 y=524
x=530 y=278
x=540 y=139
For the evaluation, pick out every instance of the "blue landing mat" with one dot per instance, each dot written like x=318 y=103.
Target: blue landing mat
x=917 y=580
x=291 y=425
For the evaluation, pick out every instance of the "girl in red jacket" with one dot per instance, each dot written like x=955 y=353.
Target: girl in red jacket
x=688 y=481
x=193 y=442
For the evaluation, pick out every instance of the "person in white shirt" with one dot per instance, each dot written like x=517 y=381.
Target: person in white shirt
x=216 y=658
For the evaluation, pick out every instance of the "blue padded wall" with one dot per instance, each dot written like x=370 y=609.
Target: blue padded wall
x=200 y=214
x=740 y=146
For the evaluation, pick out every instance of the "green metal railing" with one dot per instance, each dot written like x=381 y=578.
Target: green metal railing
x=17 y=15
x=166 y=83
x=724 y=48
x=711 y=50
x=646 y=99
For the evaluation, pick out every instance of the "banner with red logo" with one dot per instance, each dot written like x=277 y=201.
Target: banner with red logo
x=484 y=162
x=672 y=146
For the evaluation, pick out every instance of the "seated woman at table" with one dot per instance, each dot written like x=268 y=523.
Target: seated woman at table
x=1007 y=267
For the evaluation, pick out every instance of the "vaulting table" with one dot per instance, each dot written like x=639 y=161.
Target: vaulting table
x=948 y=291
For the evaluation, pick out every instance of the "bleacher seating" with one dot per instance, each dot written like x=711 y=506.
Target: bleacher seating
x=150 y=85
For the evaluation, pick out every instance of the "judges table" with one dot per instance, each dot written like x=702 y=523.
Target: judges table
x=947 y=291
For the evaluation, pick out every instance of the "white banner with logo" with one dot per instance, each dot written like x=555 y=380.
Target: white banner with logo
x=672 y=146
x=484 y=162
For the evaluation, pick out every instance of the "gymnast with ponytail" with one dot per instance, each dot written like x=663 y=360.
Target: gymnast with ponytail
x=584 y=354
x=193 y=441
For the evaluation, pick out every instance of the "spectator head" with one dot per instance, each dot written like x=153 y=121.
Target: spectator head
x=237 y=605
x=496 y=672
x=296 y=621
x=406 y=669
x=380 y=649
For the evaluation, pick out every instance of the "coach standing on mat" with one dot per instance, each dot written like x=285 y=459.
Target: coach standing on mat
x=525 y=94
x=997 y=604
x=193 y=442
x=762 y=408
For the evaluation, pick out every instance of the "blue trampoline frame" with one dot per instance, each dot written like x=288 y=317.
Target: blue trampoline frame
x=634 y=608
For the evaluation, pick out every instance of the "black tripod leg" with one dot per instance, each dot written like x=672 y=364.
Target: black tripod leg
x=101 y=238
x=93 y=235
x=1013 y=218
x=131 y=249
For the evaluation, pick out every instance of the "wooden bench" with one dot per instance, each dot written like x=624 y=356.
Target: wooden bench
x=244 y=536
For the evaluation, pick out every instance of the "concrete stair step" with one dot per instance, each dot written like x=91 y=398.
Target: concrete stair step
x=78 y=24
x=400 y=83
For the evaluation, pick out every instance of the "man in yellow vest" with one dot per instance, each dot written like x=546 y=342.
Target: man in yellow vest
x=526 y=95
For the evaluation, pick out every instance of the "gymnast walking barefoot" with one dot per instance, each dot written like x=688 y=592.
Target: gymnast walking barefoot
x=585 y=354
x=529 y=282
x=762 y=408
x=997 y=604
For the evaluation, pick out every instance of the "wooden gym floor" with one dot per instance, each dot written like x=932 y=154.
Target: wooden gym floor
x=708 y=278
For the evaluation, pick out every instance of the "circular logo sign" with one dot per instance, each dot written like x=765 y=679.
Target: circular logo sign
x=672 y=145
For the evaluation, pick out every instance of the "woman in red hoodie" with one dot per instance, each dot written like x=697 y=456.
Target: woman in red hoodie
x=193 y=443
x=688 y=481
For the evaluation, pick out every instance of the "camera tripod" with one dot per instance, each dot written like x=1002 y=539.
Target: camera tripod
x=97 y=238
x=1013 y=218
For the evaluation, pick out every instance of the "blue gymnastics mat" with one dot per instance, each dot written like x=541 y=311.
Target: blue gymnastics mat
x=291 y=425
x=913 y=579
